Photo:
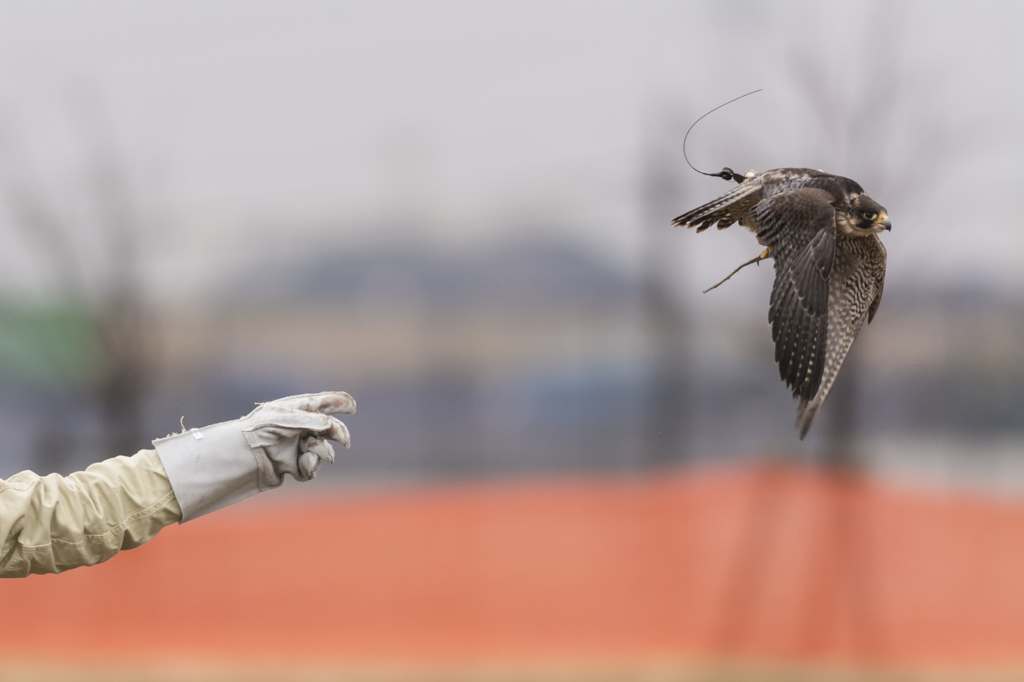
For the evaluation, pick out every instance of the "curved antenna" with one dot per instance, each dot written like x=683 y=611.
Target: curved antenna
x=726 y=173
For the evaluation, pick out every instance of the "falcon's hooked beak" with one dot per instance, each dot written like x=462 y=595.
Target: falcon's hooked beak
x=884 y=221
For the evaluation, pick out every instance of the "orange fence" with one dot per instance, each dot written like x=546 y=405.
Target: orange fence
x=776 y=563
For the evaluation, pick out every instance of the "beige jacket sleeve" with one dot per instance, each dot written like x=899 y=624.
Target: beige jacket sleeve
x=50 y=524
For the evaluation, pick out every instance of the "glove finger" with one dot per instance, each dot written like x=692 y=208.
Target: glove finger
x=337 y=431
x=286 y=418
x=313 y=422
x=329 y=402
x=309 y=464
x=319 y=447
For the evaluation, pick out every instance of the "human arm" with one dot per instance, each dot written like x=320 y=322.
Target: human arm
x=50 y=524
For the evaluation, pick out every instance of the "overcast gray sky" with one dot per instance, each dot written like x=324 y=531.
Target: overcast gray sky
x=272 y=120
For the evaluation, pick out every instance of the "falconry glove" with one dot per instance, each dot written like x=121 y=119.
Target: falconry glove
x=289 y=436
x=213 y=467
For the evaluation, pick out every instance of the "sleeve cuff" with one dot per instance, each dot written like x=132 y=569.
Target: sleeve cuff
x=209 y=468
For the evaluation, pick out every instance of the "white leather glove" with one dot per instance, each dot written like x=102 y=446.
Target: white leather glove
x=289 y=436
x=219 y=465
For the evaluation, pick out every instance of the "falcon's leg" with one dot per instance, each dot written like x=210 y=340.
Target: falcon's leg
x=764 y=255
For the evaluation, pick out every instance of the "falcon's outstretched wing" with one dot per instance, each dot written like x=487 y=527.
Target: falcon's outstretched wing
x=855 y=289
x=800 y=228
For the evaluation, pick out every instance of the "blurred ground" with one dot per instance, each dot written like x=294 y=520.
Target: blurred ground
x=780 y=564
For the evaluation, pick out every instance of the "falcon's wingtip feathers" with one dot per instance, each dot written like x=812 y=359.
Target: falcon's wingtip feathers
x=805 y=414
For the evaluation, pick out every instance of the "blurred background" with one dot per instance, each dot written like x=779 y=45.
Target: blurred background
x=459 y=213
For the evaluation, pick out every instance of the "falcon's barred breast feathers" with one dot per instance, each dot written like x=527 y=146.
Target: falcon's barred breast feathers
x=822 y=231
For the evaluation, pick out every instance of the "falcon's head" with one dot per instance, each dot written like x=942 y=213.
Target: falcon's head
x=866 y=217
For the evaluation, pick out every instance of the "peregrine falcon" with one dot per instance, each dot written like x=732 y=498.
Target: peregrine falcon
x=822 y=231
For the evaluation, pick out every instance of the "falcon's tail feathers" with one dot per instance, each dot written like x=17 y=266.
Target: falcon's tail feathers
x=717 y=211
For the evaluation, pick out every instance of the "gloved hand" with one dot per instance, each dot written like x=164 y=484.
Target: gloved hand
x=289 y=436
x=218 y=465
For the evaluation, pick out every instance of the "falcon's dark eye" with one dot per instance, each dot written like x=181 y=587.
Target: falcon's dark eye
x=868 y=215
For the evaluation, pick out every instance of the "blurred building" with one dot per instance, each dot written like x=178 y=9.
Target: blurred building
x=526 y=358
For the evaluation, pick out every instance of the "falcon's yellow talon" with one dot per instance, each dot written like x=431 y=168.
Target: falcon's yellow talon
x=766 y=252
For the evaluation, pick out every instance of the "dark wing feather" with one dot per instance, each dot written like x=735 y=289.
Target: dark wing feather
x=800 y=226
x=725 y=210
x=857 y=289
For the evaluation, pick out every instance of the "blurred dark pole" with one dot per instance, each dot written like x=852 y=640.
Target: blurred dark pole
x=453 y=444
x=122 y=389
x=841 y=433
x=666 y=403
x=122 y=315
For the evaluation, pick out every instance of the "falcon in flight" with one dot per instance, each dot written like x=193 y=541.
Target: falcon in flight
x=822 y=231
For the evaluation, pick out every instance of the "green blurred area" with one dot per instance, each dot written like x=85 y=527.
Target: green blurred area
x=49 y=346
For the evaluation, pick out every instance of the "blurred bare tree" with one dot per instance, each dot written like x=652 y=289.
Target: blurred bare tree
x=101 y=281
x=880 y=124
x=666 y=404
